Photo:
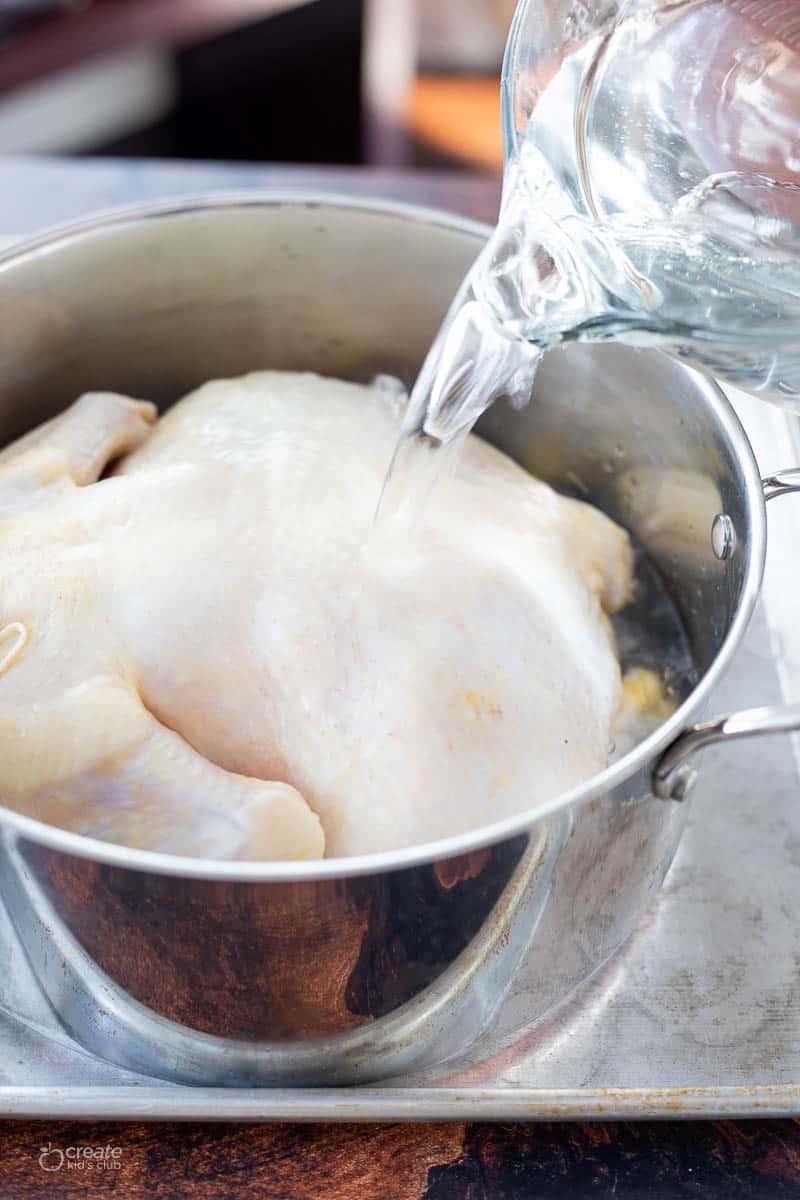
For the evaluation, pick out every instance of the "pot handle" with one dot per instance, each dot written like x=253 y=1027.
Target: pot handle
x=673 y=776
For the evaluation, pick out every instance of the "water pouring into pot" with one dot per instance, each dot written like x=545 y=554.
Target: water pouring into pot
x=651 y=196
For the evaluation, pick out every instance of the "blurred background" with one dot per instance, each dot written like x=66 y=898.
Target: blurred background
x=375 y=82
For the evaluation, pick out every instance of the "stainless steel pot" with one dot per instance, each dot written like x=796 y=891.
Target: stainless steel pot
x=348 y=970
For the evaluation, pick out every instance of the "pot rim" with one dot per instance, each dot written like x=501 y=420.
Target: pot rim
x=645 y=752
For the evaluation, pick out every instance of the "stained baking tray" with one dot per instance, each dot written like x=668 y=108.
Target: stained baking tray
x=698 y=1015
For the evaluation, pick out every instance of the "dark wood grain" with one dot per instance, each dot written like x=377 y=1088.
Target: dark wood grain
x=260 y=1162
x=648 y=1161
x=759 y=1160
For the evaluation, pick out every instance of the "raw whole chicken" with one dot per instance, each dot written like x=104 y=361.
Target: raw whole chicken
x=211 y=651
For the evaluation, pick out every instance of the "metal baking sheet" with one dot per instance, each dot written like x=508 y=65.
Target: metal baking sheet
x=698 y=1015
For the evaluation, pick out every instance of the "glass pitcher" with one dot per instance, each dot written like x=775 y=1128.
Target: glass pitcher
x=653 y=179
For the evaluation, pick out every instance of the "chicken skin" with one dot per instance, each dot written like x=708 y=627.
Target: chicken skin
x=207 y=648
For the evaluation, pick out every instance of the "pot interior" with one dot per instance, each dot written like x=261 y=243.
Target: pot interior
x=153 y=306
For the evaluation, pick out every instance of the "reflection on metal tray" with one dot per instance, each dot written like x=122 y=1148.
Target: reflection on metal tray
x=699 y=1014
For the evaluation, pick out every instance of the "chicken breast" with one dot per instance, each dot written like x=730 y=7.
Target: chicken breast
x=213 y=652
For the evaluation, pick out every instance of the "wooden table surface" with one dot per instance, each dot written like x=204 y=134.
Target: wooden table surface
x=625 y=1161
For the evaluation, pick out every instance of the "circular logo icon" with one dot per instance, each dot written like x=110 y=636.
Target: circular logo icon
x=51 y=1158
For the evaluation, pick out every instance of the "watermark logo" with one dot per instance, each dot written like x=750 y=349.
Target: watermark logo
x=80 y=1158
x=51 y=1158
